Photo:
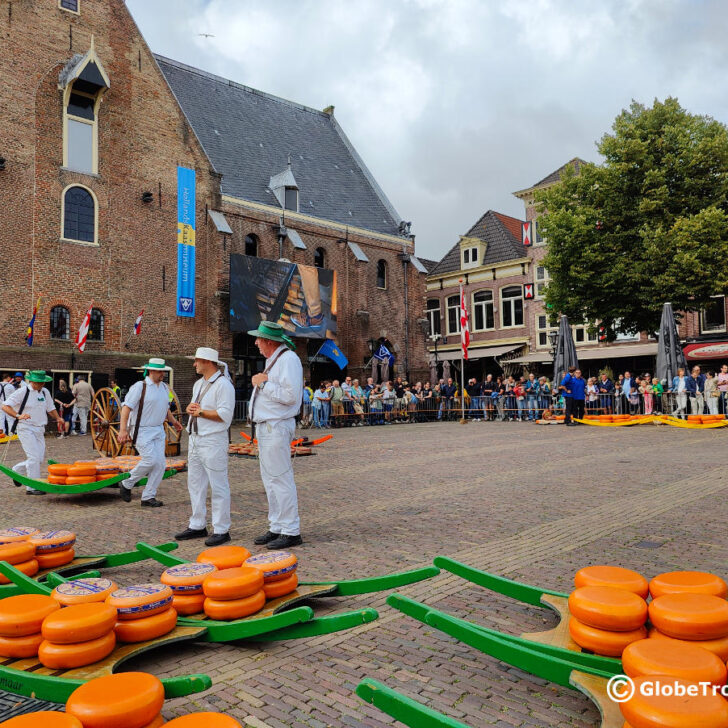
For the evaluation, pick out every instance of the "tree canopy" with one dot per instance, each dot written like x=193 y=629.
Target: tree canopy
x=648 y=225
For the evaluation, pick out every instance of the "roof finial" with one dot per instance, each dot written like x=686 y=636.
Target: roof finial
x=289 y=160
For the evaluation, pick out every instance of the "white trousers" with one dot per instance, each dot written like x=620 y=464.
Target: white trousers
x=32 y=438
x=82 y=414
x=276 y=470
x=207 y=465
x=150 y=444
x=712 y=403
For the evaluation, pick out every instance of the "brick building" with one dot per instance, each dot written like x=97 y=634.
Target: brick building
x=95 y=128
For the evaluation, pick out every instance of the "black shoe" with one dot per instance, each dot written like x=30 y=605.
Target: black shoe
x=125 y=494
x=284 y=542
x=189 y=533
x=16 y=484
x=217 y=539
x=267 y=537
x=34 y=491
x=151 y=503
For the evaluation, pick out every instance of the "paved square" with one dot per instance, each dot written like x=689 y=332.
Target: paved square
x=527 y=502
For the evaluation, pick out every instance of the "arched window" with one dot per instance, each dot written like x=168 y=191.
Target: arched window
x=60 y=323
x=511 y=306
x=381 y=274
x=483 y=310
x=251 y=245
x=319 y=258
x=79 y=215
x=96 y=326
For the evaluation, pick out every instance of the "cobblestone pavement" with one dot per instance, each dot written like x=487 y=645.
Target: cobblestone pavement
x=530 y=503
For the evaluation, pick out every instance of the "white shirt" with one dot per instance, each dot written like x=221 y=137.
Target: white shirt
x=280 y=398
x=6 y=389
x=38 y=406
x=156 y=403
x=220 y=396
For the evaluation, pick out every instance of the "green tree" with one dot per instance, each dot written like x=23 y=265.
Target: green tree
x=648 y=225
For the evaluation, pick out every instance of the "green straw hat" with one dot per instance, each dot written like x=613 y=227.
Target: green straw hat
x=38 y=375
x=274 y=332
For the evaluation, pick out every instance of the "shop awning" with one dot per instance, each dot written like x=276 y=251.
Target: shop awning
x=603 y=352
x=707 y=350
x=482 y=352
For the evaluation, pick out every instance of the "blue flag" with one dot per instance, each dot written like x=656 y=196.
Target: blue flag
x=329 y=349
x=384 y=354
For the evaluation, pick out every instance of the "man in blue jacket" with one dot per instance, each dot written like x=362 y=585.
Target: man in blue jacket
x=565 y=389
x=606 y=390
x=578 y=395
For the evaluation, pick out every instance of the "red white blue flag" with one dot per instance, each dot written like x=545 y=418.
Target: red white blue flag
x=138 y=323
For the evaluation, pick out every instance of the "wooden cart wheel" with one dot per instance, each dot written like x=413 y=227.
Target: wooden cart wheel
x=172 y=446
x=105 y=418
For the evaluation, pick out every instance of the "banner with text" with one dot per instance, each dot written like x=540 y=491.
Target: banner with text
x=185 y=242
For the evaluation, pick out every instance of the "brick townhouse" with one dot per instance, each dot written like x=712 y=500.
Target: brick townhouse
x=95 y=131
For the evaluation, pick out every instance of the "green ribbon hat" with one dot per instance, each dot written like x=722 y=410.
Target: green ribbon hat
x=38 y=375
x=156 y=364
x=273 y=331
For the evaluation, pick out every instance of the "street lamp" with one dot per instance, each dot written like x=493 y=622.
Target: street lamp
x=553 y=338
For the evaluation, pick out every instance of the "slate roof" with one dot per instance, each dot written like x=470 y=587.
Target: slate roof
x=430 y=265
x=248 y=135
x=501 y=232
x=555 y=176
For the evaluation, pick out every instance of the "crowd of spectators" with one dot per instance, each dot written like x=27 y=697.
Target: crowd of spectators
x=349 y=403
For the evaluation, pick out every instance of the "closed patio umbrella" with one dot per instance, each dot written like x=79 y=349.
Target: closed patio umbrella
x=565 y=356
x=670 y=355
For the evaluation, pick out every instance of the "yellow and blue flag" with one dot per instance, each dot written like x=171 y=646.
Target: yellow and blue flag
x=333 y=352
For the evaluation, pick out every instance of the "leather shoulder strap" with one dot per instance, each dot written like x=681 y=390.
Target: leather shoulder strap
x=20 y=410
x=139 y=414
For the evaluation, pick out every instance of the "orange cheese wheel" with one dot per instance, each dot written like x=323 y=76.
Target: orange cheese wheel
x=717 y=647
x=45 y=718
x=238 y=583
x=106 y=476
x=57 y=540
x=204 y=720
x=123 y=700
x=58 y=469
x=19 y=533
x=80 y=479
x=83 y=591
x=16 y=553
x=661 y=711
x=677 y=659
x=696 y=582
x=224 y=557
x=234 y=608
x=146 y=628
x=276 y=589
x=615 y=576
x=602 y=641
x=24 y=614
x=186 y=578
x=156 y=723
x=58 y=479
x=29 y=568
x=186 y=604
x=81 y=470
x=690 y=616
x=606 y=607
x=77 y=654
x=79 y=623
x=274 y=565
x=20 y=647
x=140 y=600
x=55 y=558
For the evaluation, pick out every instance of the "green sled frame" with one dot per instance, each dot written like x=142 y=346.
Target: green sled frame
x=47 y=487
x=281 y=619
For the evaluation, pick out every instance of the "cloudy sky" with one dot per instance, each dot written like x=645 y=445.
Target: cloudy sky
x=454 y=104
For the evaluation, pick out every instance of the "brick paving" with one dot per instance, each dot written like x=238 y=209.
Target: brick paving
x=530 y=503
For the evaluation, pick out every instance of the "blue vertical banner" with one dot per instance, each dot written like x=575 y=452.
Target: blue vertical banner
x=185 y=242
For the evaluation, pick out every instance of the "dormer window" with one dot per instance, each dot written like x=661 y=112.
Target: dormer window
x=291 y=198
x=472 y=251
x=285 y=188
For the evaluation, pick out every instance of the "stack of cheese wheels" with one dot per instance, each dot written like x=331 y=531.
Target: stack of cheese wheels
x=21 y=619
x=204 y=720
x=58 y=473
x=185 y=581
x=605 y=619
x=21 y=555
x=233 y=593
x=45 y=718
x=106 y=470
x=54 y=548
x=145 y=612
x=83 y=591
x=688 y=704
x=279 y=572
x=80 y=472
x=224 y=557
x=124 y=700
x=78 y=635
x=18 y=533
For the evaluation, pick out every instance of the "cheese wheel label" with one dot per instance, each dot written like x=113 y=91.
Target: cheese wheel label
x=83 y=587
x=142 y=590
x=8 y=535
x=194 y=571
x=270 y=560
x=61 y=540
